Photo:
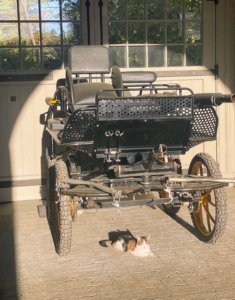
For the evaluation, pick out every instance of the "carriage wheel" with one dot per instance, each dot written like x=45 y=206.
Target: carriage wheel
x=211 y=216
x=62 y=215
x=169 y=208
x=50 y=169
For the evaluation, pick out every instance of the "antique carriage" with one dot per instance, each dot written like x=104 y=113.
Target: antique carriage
x=112 y=140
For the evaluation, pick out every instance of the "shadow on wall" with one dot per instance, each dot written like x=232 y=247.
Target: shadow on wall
x=22 y=156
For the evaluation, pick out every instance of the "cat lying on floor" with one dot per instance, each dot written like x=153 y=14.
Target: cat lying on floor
x=138 y=246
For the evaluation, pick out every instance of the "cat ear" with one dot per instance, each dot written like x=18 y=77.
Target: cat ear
x=148 y=238
x=138 y=238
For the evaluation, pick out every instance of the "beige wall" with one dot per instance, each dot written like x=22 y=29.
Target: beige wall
x=21 y=136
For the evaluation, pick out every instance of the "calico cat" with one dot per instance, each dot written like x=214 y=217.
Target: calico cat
x=138 y=246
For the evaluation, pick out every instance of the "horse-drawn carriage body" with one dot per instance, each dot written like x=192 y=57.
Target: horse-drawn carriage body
x=110 y=140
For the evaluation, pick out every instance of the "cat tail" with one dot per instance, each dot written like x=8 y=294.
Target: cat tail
x=105 y=243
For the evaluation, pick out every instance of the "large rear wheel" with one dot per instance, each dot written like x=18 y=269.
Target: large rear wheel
x=62 y=212
x=211 y=216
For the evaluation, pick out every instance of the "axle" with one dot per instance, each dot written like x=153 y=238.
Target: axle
x=213 y=99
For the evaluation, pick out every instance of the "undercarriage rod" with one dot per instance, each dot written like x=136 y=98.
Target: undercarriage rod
x=99 y=186
x=201 y=179
x=140 y=202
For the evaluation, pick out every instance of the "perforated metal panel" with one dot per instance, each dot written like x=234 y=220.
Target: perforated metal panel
x=91 y=167
x=145 y=108
x=80 y=127
x=204 y=126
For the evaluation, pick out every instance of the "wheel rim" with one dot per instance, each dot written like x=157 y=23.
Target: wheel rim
x=73 y=209
x=205 y=216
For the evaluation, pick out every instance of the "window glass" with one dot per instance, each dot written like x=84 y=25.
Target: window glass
x=194 y=55
x=9 y=34
x=117 y=9
x=71 y=10
x=156 y=33
x=42 y=35
x=117 y=56
x=137 y=57
x=136 y=9
x=156 y=56
x=9 y=59
x=31 y=59
x=71 y=33
x=30 y=34
x=8 y=10
x=29 y=10
x=136 y=32
x=193 y=9
x=175 y=56
x=50 y=10
x=117 y=33
x=193 y=32
x=174 y=9
x=155 y=9
x=52 y=58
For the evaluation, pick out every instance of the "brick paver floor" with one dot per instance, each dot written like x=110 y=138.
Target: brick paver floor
x=183 y=267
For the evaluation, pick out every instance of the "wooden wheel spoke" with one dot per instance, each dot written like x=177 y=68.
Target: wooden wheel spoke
x=207 y=198
x=201 y=170
x=208 y=214
x=200 y=217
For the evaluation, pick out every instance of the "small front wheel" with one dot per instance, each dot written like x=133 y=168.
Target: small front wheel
x=211 y=217
x=62 y=212
x=49 y=170
x=170 y=209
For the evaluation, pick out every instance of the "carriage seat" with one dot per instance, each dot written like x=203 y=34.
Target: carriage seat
x=93 y=63
x=85 y=93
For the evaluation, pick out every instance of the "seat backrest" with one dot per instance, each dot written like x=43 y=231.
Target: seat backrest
x=89 y=59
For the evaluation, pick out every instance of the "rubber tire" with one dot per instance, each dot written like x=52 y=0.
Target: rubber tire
x=62 y=215
x=49 y=170
x=219 y=197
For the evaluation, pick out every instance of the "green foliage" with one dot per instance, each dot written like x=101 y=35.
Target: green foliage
x=175 y=32
x=193 y=9
x=193 y=32
x=136 y=32
x=137 y=57
x=174 y=9
x=117 y=33
x=155 y=9
x=117 y=56
x=136 y=9
x=31 y=35
x=156 y=56
x=175 y=56
x=194 y=55
x=9 y=59
x=155 y=33
x=116 y=9
x=31 y=59
x=71 y=10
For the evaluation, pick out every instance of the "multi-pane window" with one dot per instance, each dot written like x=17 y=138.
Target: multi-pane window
x=36 y=34
x=155 y=33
